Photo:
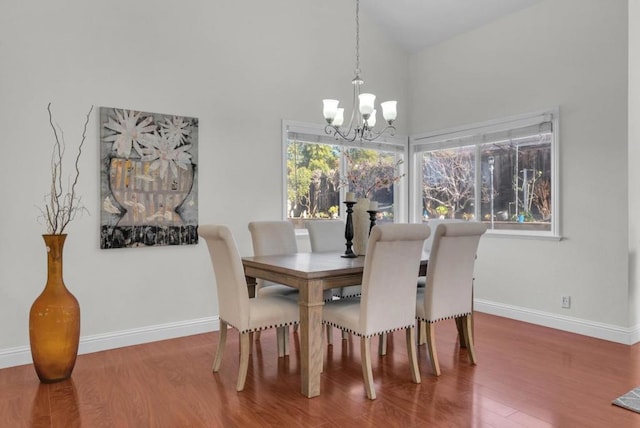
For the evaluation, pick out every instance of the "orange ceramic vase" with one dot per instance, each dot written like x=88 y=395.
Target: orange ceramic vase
x=54 y=320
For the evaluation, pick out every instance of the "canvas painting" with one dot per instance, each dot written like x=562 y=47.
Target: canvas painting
x=148 y=179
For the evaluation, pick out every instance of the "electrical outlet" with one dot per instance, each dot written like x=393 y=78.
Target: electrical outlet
x=566 y=302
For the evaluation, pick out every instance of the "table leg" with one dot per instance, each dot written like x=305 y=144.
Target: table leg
x=311 y=302
x=251 y=285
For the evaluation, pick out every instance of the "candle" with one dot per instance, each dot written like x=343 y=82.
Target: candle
x=350 y=197
x=373 y=206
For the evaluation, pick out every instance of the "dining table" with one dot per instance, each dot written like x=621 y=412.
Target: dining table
x=311 y=274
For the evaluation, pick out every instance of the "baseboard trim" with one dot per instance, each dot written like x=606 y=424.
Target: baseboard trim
x=17 y=356
x=613 y=333
x=101 y=342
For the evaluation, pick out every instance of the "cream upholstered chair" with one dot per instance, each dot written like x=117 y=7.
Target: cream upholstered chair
x=433 y=223
x=422 y=280
x=270 y=238
x=325 y=236
x=388 y=292
x=236 y=308
x=448 y=292
x=328 y=235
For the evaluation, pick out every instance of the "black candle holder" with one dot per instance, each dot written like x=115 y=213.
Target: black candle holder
x=372 y=218
x=348 y=230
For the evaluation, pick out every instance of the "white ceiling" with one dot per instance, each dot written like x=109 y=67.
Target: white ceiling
x=416 y=24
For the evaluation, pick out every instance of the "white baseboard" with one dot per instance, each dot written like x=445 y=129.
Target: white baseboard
x=613 y=333
x=100 y=342
x=11 y=357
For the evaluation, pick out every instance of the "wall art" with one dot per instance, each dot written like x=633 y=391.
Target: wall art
x=148 y=179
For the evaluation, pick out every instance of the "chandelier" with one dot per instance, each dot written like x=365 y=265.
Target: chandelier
x=363 y=116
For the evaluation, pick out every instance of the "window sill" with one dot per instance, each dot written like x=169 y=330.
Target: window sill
x=521 y=235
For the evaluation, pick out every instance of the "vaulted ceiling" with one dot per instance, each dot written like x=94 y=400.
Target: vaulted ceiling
x=417 y=24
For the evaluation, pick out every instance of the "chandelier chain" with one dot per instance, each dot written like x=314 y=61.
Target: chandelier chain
x=357 y=38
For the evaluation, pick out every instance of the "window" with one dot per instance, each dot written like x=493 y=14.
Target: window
x=318 y=167
x=501 y=172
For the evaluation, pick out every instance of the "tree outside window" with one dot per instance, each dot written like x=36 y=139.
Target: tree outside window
x=314 y=180
x=313 y=172
x=514 y=194
x=498 y=175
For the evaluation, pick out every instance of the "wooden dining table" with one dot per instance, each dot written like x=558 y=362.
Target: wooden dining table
x=311 y=274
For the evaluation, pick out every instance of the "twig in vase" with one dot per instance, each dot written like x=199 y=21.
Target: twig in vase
x=61 y=207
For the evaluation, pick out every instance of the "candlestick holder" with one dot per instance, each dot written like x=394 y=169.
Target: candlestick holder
x=372 y=218
x=348 y=230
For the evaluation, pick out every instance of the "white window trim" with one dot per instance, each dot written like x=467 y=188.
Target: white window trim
x=439 y=137
x=316 y=133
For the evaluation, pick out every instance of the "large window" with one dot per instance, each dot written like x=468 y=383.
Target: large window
x=501 y=172
x=319 y=171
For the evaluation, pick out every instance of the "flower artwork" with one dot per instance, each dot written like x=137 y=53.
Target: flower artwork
x=148 y=179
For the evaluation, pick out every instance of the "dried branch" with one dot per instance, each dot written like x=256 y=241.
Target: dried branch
x=542 y=198
x=61 y=206
x=367 y=177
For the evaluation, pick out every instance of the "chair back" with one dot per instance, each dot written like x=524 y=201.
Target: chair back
x=271 y=238
x=326 y=235
x=449 y=283
x=233 y=294
x=391 y=267
x=433 y=224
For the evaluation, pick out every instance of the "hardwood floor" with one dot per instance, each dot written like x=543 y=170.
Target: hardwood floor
x=527 y=376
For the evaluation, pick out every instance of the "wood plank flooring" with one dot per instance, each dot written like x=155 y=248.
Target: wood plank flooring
x=527 y=376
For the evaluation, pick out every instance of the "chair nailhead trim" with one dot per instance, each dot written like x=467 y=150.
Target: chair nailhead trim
x=263 y=327
x=368 y=335
x=444 y=318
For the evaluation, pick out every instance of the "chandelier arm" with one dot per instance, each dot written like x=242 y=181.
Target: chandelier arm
x=372 y=135
x=335 y=131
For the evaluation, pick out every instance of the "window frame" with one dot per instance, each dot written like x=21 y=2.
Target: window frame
x=472 y=135
x=315 y=133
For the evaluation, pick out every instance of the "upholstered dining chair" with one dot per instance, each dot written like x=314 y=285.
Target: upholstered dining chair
x=270 y=238
x=388 y=291
x=422 y=280
x=448 y=292
x=324 y=236
x=236 y=308
x=328 y=235
x=433 y=223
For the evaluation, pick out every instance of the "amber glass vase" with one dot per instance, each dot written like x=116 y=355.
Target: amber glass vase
x=54 y=320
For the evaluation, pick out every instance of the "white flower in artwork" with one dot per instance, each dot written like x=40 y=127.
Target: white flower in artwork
x=109 y=206
x=130 y=130
x=176 y=129
x=165 y=154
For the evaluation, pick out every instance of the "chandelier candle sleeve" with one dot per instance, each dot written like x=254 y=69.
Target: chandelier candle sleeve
x=389 y=111
x=367 y=102
x=339 y=119
x=372 y=119
x=330 y=109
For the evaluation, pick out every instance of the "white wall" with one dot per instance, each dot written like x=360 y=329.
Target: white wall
x=240 y=67
x=634 y=159
x=566 y=53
